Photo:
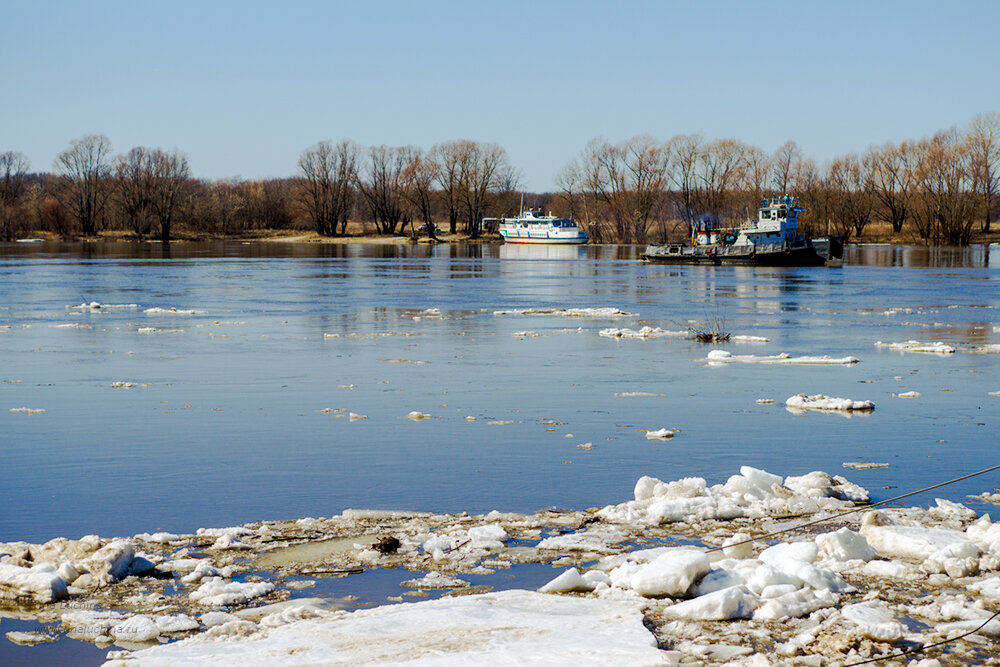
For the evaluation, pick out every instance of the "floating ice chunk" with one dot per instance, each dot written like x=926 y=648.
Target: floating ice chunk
x=72 y=325
x=661 y=434
x=435 y=580
x=724 y=356
x=355 y=416
x=874 y=620
x=863 y=465
x=29 y=411
x=216 y=591
x=717 y=580
x=594 y=540
x=750 y=339
x=909 y=394
x=987 y=349
x=139 y=628
x=490 y=536
x=204 y=569
x=173 y=311
x=818 y=484
x=526 y=334
x=821 y=402
x=417 y=416
x=900 y=541
x=94 y=305
x=687 y=487
x=572 y=581
x=794 y=605
x=671 y=573
x=89 y=624
x=888 y=569
x=175 y=623
x=721 y=605
x=510 y=627
x=111 y=562
x=844 y=545
x=644 y=332
x=121 y=385
x=29 y=638
x=568 y=312
x=795 y=559
x=229 y=541
x=41 y=583
x=158 y=538
x=631 y=394
x=214 y=619
x=936 y=347
x=988 y=588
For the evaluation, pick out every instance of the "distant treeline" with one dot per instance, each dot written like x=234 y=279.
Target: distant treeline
x=940 y=189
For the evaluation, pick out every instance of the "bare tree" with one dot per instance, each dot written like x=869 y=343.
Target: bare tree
x=134 y=184
x=85 y=164
x=685 y=151
x=629 y=179
x=784 y=167
x=481 y=168
x=170 y=172
x=13 y=172
x=329 y=173
x=946 y=208
x=569 y=180
x=721 y=165
x=892 y=175
x=853 y=200
x=382 y=185
x=447 y=156
x=418 y=180
x=984 y=152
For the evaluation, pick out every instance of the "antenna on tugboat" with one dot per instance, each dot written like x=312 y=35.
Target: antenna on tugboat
x=520 y=211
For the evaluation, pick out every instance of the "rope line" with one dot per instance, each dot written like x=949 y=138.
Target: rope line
x=923 y=647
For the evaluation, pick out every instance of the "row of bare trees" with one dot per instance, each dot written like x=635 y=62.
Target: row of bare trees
x=462 y=179
x=940 y=189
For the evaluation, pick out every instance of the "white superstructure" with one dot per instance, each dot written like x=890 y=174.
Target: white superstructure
x=533 y=227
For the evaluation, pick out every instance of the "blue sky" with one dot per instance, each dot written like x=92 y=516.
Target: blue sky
x=244 y=87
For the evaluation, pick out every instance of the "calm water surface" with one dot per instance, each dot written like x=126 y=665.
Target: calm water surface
x=226 y=421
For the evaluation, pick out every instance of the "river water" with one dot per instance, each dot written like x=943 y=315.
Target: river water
x=238 y=411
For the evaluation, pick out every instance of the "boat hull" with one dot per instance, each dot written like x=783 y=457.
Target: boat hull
x=825 y=251
x=544 y=241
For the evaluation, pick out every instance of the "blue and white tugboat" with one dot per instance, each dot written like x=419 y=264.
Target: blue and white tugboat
x=532 y=227
x=770 y=240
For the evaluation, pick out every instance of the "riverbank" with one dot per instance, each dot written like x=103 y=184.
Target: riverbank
x=876 y=233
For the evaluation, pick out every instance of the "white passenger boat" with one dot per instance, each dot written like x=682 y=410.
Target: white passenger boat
x=533 y=227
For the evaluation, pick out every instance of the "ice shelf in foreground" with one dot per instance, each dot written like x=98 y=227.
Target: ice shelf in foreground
x=508 y=628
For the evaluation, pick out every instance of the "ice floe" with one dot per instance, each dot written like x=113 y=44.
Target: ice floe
x=724 y=356
x=174 y=311
x=71 y=325
x=908 y=394
x=644 y=332
x=821 y=402
x=511 y=627
x=568 y=312
x=416 y=415
x=936 y=347
x=660 y=433
x=96 y=306
x=750 y=339
x=29 y=411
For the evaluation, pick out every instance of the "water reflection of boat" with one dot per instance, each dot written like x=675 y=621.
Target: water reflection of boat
x=524 y=251
x=770 y=240
x=531 y=227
